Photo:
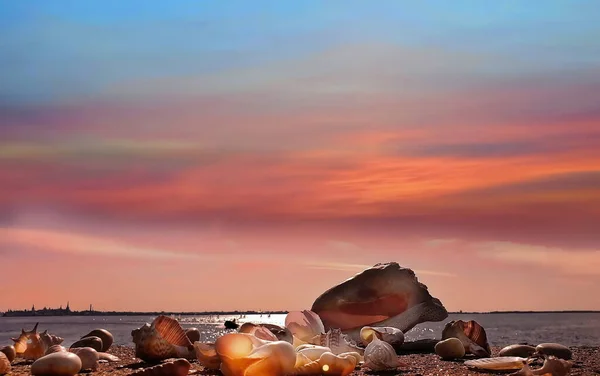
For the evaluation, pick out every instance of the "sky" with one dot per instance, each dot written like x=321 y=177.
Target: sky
x=249 y=155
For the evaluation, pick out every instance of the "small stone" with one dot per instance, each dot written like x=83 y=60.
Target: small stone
x=451 y=348
x=523 y=351
x=554 y=349
x=93 y=342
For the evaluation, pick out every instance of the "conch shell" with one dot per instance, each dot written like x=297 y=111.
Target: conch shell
x=257 y=331
x=245 y=355
x=206 y=353
x=552 y=367
x=21 y=342
x=57 y=364
x=380 y=356
x=393 y=336
x=471 y=334
x=178 y=367
x=327 y=364
x=162 y=340
x=10 y=352
x=104 y=335
x=89 y=357
x=50 y=339
x=384 y=295
x=4 y=364
x=337 y=342
x=35 y=348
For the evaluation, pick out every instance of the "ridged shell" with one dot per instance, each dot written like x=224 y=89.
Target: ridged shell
x=89 y=357
x=244 y=354
x=380 y=356
x=10 y=352
x=57 y=364
x=178 y=367
x=21 y=341
x=206 y=354
x=104 y=335
x=393 y=336
x=93 y=342
x=502 y=363
x=336 y=341
x=4 y=364
x=35 y=348
x=471 y=334
x=162 y=340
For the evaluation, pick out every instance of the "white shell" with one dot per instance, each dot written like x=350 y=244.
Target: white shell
x=304 y=325
x=380 y=356
x=501 y=363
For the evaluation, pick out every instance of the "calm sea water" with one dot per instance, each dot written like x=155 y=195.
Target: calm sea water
x=571 y=329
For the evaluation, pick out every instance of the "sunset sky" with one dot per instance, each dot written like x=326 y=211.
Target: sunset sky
x=222 y=155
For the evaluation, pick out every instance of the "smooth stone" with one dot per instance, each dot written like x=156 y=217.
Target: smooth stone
x=193 y=334
x=10 y=352
x=93 y=342
x=57 y=364
x=4 y=364
x=522 y=351
x=425 y=346
x=104 y=335
x=451 y=348
x=89 y=357
x=554 y=349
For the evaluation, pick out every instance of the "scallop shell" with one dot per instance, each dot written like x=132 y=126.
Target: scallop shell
x=206 y=354
x=4 y=364
x=10 y=352
x=57 y=364
x=471 y=334
x=257 y=331
x=55 y=348
x=21 y=341
x=501 y=363
x=380 y=356
x=162 y=340
x=393 y=336
x=178 y=367
x=327 y=364
x=245 y=355
x=336 y=341
x=89 y=357
x=104 y=335
x=552 y=366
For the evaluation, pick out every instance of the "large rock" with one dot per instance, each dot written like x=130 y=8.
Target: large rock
x=384 y=295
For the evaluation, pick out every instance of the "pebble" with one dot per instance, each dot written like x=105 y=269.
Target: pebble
x=93 y=342
x=523 y=351
x=554 y=349
x=451 y=348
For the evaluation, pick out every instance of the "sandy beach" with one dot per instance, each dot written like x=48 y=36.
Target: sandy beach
x=586 y=361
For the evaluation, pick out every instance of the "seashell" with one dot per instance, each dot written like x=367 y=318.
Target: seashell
x=523 y=351
x=380 y=355
x=108 y=357
x=104 y=335
x=451 y=348
x=89 y=357
x=503 y=363
x=162 y=340
x=4 y=364
x=471 y=334
x=245 y=355
x=393 y=336
x=206 y=354
x=50 y=339
x=311 y=352
x=552 y=366
x=21 y=342
x=57 y=364
x=10 y=352
x=178 y=367
x=304 y=325
x=336 y=341
x=93 y=342
x=193 y=334
x=35 y=348
x=328 y=364
x=384 y=295
x=554 y=349
x=257 y=331
x=55 y=348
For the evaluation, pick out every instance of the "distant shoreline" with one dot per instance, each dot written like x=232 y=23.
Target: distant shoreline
x=226 y=313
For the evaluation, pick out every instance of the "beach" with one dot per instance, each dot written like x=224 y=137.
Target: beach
x=586 y=361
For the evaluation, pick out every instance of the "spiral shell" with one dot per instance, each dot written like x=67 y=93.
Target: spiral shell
x=21 y=341
x=393 y=336
x=178 y=367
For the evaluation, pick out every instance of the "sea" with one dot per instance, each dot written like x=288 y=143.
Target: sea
x=570 y=329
